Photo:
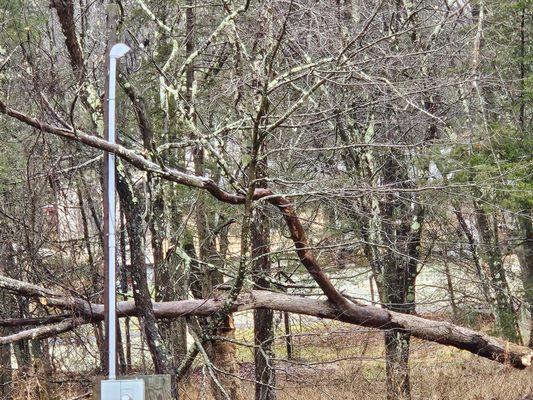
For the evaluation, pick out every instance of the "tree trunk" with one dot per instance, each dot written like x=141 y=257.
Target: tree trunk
x=96 y=277
x=174 y=332
x=222 y=355
x=507 y=321
x=123 y=282
x=132 y=206
x=264 y=318
x=6 y=300
x=397 y=364
x=6 y=370
x=222 y=352
x=41 y=367
x=21 y=308
x=167 y=273
x=449 y=283
x=400 y=263
x=526 y=262
x=473 y=247
x=288 y=335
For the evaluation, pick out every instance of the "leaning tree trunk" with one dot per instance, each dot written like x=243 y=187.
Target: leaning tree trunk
x=445 y=333
x=132 y=206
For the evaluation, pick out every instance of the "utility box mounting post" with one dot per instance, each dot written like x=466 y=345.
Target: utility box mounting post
x=131 y=389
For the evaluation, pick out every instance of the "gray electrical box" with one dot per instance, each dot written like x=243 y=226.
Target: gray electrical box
x=132 y=389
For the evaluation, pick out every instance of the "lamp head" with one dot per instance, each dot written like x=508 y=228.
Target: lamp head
x=118 y=50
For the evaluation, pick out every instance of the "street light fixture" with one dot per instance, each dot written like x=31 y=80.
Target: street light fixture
x=117 y=51
x=113 y=389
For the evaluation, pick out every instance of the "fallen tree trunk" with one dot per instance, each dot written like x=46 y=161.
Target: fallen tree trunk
x=441 y=332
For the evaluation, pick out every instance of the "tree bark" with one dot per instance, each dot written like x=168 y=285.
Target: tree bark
x=65 y=13
x=263 y=318
x=132 y=206
x=507 y=321
x=525 y=257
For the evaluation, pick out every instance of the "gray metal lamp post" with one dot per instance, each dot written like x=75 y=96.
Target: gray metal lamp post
x=117 y=51
x=122 y=388
x=113 y=389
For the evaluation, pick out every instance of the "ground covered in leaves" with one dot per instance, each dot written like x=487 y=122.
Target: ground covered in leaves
x=334 y=362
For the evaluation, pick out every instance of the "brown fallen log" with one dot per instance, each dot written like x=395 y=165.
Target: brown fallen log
x=441 y=332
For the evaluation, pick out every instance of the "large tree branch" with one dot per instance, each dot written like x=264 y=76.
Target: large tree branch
x=441 y=332
x=43 y=332
x=296 y=229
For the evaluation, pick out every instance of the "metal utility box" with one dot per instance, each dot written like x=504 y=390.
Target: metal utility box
x=156 y=387
x=130 y=389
